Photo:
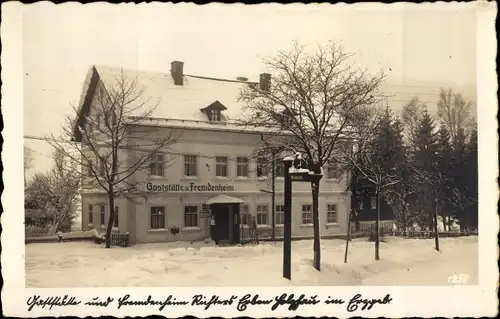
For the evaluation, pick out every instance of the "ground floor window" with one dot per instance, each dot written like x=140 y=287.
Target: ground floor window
x=91 y=214
x=115 y=223
x=246 y=219
x=157 y=217
x=262 y=215
x=331 y=211
x=373 y=202
x=280 y=214
x=307 y=214
x=191 y=216
x=103 y=215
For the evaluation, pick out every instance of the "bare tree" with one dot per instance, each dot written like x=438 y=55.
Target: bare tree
x=28 y=161
x=375 y=159
x=114 y=142
x=56 y=192
x=455 y=112
x=309 y=105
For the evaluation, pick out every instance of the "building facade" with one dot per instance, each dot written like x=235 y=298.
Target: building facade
x=208 y=183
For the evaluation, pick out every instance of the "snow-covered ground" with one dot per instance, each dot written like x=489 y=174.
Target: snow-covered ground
x=403 y=262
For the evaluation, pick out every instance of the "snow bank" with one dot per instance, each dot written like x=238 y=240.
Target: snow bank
x=403 y=262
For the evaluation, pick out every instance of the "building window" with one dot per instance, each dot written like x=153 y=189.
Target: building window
x=91 y=214
x=215 y=115
x=98 y=120
x=361 y=204
x=242 y=166
x=307 y=214
x=245 y=216
x=261 y=167
x=89 y=167
x=333 y=171
x=280 y=214
x=102 y=168
x=103 y=215
x=157 y=217
x=373 y=202
x=156 y=167
x=262 y=215
x=221 y=166
x=113 y=118
x=331 y=213
x=191 y=216
x=117 y=214
x=190 y=165
x=90 y=127
x=280 y=169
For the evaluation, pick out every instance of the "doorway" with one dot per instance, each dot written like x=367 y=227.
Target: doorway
x=225 y=221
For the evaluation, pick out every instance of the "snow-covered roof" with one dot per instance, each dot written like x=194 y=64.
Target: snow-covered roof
x=183 y=102
x=181 y=105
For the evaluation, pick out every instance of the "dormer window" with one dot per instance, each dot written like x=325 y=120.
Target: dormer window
x=214 y=111
x=215 y=115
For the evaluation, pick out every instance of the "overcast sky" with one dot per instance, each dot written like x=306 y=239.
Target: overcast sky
x=421 y=48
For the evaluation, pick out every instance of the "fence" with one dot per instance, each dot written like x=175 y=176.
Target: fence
x=121 y=240
x=34 y=232
x=37 y=235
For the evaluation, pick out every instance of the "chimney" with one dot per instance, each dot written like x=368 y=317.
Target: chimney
x=265 y=81
x=177 y=71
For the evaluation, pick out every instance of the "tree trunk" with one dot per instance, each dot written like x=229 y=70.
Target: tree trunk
x=445 y=223
x=377 y=228
x=111 y=200
x=315 y=215
x=348 y=238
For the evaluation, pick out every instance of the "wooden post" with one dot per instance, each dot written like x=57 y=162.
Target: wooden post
x=273 y=190
x=348 y=236
x=436 y=233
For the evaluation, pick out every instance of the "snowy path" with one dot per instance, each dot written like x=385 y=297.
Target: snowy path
x=403 y=262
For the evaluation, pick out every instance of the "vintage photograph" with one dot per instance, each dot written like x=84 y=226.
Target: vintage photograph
x=176 y=145
x=155 y=152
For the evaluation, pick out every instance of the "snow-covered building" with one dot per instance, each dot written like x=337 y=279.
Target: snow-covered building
x=211 y=185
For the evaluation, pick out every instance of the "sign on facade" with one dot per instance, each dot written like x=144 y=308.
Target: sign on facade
x=190 y=187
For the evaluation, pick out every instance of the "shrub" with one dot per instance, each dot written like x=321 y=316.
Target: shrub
x=174 y=230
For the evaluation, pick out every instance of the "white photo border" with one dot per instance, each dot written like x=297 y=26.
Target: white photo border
x=463 y=301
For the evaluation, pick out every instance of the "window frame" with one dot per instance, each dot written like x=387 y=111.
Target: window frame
x=373 y=202
x=215 y=115
x=157 y=167
x=279 y=169
x=259 y=213
x=221 y=162
x=329 y=211
x=102 y=168
x=246 y=217
x=329 y=170
x=309 y=212
x=279 y=212
x=90 y=214
x=260 y=167
x=151 y=215
x=116 y=220
x=242 y=165
x=190 y=214
x=186 y=163
x=102 y=214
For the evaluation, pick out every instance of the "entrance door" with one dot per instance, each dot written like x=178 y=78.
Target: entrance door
x=219 y=231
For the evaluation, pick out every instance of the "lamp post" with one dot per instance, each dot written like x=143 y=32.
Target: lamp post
x=312 y=175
